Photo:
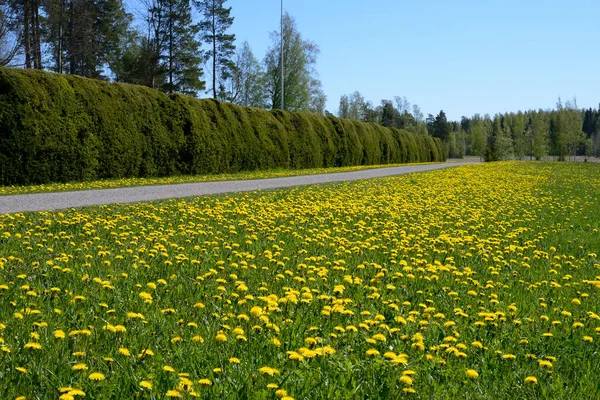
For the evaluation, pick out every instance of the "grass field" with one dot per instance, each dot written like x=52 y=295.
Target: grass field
x=130 y=182
x=477 y=282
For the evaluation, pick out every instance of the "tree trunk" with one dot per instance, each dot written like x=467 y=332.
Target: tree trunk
x=71 y=49
x=35 y=19
x=27 y=38
x=59 y=60
x=170 y=47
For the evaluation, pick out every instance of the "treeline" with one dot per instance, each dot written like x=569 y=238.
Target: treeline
x=68 y=128
x=165 y=48
x=564 y=132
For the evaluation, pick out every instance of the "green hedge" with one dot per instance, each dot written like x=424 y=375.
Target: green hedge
x=58 y=128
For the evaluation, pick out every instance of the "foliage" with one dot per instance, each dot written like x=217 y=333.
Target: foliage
x=246 y=85
x=59 y=128
x=178 y=47
x=85 y=36
x=299 y=57
x=216 y=20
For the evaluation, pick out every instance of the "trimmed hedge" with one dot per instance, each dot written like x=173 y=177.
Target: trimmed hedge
x=58 y=128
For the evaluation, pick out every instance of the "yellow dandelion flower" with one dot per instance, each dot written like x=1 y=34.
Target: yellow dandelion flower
x=125 y=352
x=372 y=352
x=21 y=370
x=168 y=368
x=234 y=360
x=146 y=385
x=531 y=380
x=33 y=345
x=407 y=380
x=544 y=363
x=268 y=371
x=59 y=334
x=221 y=338
x=97 y=376
x=472 y=374
x=205 y=382
x=79 y=367
x=173 y=393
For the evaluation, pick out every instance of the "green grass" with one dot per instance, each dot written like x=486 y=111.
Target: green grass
x=338 y=290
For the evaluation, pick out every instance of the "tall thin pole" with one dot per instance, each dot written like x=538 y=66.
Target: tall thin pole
x=282 y=78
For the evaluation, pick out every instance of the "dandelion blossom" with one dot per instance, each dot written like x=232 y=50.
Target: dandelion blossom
x=472 y=374
x=79 y=367
x=146 y=385
x=372 y=352
x=268 y=371
x=97 y=376
x=407 y=380
x=531 y=380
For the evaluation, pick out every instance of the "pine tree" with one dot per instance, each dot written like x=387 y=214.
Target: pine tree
x=84 y=35
x=179 y=50
x=216 y=20
x=440 y=126
x=388 y=114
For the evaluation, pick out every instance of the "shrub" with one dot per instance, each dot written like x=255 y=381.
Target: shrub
x=58 y=128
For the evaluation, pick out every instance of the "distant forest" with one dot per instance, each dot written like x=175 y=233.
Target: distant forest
x=187 y=46
x=563 y=132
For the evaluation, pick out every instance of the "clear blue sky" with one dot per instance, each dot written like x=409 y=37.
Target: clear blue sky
x=462 y=56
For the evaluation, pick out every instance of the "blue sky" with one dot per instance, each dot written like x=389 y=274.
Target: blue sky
x=462 y=56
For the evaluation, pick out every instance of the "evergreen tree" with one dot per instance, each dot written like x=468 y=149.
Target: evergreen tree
x=85 y=36
x=441 y=128
x=388 y=114
x=178 y=48
x=216 y=20
x=139 y=64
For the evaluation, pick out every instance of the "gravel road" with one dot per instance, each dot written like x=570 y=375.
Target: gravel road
x=63 y=200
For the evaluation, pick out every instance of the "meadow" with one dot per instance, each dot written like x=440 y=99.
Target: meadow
x=474 y=282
